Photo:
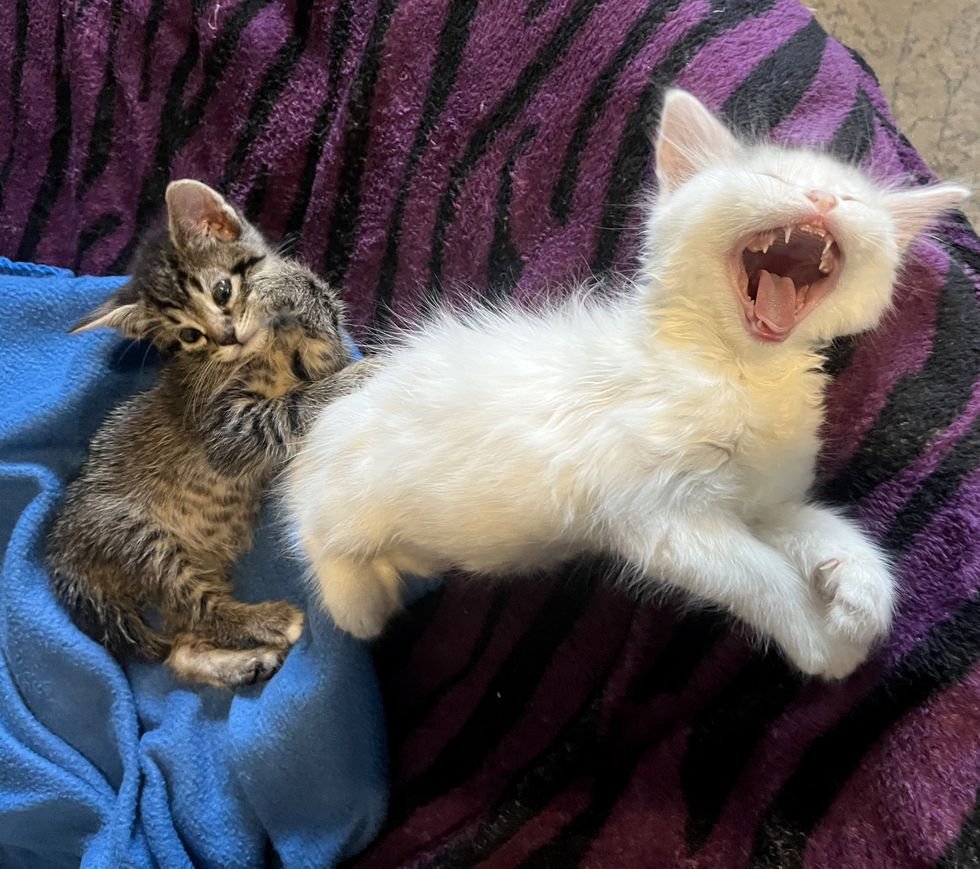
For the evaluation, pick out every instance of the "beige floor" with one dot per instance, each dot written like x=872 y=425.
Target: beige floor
x=927 y=57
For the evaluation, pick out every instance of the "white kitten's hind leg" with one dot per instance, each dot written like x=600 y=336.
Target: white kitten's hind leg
x=361 y=596
x=850 y=573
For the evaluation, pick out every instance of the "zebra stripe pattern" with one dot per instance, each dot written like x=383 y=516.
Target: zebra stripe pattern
x=416 y=148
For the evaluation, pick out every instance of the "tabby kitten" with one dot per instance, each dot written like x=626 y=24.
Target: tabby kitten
x=172 y=487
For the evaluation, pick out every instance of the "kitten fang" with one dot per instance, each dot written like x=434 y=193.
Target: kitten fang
x=783 y=274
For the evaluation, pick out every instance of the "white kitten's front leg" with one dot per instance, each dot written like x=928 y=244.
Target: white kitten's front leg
x=717 y=558
x=850 y=573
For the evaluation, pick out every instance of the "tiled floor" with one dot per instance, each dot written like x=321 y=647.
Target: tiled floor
x=927 y=57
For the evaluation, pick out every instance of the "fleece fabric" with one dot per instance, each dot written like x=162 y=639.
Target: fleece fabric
x=122 y=765
x=430 y=149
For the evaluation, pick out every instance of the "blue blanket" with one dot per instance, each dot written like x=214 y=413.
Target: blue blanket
x=121 y=765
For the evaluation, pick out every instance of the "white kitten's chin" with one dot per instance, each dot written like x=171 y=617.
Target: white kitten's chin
x=779 y=276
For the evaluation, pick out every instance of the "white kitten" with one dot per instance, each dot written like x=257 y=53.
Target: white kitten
x=676 y=426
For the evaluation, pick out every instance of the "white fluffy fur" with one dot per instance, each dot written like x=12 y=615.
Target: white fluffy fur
x=652 y=425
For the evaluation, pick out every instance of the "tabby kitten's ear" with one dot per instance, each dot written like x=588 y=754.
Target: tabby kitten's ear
x=199 y=215
x=117 y=312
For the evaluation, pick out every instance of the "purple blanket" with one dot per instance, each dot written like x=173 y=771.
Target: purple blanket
x=422 y=146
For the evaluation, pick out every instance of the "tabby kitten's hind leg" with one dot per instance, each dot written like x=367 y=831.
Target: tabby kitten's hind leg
x=197 y=659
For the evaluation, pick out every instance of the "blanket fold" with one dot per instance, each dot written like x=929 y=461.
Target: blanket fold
x=122 y=765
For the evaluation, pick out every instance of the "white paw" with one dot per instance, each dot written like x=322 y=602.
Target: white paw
x=815 y=650
x=851 y=610
x=365 y=619
x=360 y=597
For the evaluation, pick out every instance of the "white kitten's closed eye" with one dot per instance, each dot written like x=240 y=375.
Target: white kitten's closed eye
x=807 y=258
x=675 y=425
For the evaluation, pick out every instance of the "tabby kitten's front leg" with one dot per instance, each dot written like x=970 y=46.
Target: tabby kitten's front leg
x=217 y=639
x=248 y=426
x=204 y=604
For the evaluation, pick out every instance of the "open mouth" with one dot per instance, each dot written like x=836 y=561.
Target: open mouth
x=781 y=275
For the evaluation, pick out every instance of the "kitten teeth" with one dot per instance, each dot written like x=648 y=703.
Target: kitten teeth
x=801 y=297
x=826 y=263
x=788 y=233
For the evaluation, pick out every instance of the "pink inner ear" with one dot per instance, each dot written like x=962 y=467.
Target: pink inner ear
x=914 y=210
x=690 y=139
x=200 y=211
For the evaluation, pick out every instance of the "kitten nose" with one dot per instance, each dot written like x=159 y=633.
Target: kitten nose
x=824 y=201
x=228 y=338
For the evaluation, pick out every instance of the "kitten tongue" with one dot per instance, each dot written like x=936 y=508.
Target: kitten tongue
x=775 y=301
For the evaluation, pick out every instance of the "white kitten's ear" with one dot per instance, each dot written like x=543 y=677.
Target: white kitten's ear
x=913 y=210
x=113 y=313
x=199 y=214
x=690 y=138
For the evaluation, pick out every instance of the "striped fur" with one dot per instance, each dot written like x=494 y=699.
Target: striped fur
x=417 y=147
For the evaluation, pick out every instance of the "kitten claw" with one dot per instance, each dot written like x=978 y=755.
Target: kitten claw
x=822 y=578
x=859 y=597
x=856 y=595
x=266 y=664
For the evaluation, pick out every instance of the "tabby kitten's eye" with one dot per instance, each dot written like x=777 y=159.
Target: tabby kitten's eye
x=221 y=292
x=190 y=336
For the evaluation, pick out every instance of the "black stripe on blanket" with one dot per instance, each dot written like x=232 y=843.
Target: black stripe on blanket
x=723 y=736
x=101 y=138
x=411 y=718
x=502 y=116
x=504 y=263
x=852 y=141
x=563 y=194
x=945 y=656
x=54 y=174
x=693 y=637
x=574 y=752
x=506 y=696
x=964 y=851
x=794 y=65
x=577 y=752
x=274 y=82
x=100 y=228
x=154 y=19
x=453 y=39
x=339 y=41
x=940 y=389
x=963 y=459
x=610 y=772
x=635 y=144
x=178 y=124
x=357 y=130
x=16 y=79
x=550 y=774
